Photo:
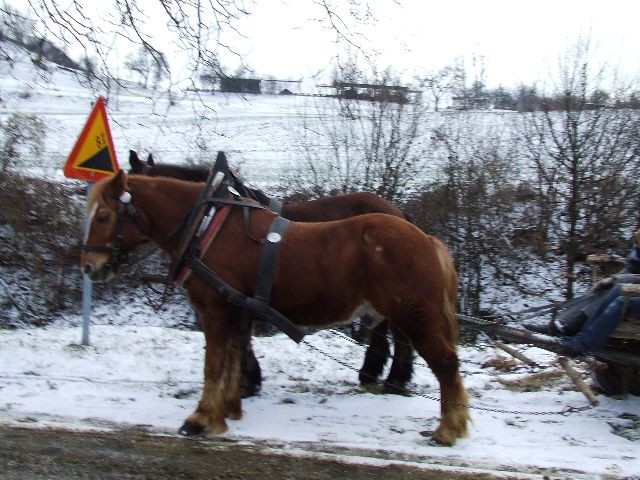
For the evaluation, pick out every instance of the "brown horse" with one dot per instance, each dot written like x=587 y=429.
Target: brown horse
x=324 y=273
x=325 y=209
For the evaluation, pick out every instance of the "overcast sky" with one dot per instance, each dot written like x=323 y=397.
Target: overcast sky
x=515 y=41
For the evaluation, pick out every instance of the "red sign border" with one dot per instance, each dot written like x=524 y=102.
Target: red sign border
x=91 y=175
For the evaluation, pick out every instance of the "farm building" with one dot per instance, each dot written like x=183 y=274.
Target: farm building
x=240 y=85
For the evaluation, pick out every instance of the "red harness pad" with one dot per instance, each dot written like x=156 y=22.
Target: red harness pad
x=203 y=244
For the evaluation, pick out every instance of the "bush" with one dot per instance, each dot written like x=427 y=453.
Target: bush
x=40 y=237
x=20 y=132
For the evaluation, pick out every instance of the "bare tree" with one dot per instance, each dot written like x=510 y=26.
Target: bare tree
x=148 y=67
x=586 y=159
x=472 y=204
x=203 y=30
x=376 y=144
x=442 y=82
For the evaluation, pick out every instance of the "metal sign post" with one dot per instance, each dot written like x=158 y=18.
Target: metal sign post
x=92 y=158
x=86 y=288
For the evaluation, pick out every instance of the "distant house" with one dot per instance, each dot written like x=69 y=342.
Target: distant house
x=469 y=102
x=369 y=91
x=274 y=86
x=240 y=85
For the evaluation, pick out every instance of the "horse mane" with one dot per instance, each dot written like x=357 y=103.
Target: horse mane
x=182 y=172
x=192 y=173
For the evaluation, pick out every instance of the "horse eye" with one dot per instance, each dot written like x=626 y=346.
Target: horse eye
x=102 y=217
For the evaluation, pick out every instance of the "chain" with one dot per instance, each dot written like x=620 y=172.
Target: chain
x=567 y=410
x=418 y=360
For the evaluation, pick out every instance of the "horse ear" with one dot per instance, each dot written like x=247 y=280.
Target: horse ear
x=118 y=183
x=134 y=161
x=150 y=160
x=221 y=164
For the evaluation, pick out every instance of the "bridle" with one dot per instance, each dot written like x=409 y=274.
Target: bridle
x=125 y=210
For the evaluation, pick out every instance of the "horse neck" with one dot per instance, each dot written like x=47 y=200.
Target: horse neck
x=164 y=202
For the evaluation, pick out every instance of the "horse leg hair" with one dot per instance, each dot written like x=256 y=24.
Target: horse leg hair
x=220 y=366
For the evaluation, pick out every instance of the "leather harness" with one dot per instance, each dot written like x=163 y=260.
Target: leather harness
x=258 y=304
x=197 y=243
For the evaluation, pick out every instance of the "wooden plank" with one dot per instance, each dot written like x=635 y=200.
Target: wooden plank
x=516 y=354
x=605 y=259
x=627 y=330
x=577 y=380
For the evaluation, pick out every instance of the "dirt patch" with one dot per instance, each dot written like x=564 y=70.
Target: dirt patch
x=125 y=455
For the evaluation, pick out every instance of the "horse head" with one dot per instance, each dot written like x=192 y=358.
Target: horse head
x=115 y=227
x=139 y=167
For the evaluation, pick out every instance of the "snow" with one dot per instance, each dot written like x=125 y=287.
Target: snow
x=140 y=376
x=142 y=372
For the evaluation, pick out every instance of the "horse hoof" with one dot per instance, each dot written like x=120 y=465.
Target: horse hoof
x=247 y=391
x=436 y=440
x=374 y=388
x=393 y=389
x=189 y=429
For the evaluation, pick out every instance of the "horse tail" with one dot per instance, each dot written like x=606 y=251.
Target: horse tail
x=450 y=292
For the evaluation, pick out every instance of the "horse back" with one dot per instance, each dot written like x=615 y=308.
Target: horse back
x=376 y=258
x=339 y=207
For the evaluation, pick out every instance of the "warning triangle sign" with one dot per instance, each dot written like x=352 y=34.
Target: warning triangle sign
x=93 y=156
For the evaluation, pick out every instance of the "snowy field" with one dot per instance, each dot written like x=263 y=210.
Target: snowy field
x=255 y=131
x=139 y=372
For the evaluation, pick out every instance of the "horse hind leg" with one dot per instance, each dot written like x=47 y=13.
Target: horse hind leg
x=402 y=364
x=430 y=339
x=376 y=355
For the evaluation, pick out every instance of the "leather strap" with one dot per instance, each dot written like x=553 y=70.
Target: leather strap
x=250 y=304
x=275 y=206
x=267 y=269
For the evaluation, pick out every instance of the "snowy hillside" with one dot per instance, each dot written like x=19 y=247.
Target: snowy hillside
x=141 y=373
x=255 y=131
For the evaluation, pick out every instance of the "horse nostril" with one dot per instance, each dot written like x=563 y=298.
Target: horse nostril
x=87 y=269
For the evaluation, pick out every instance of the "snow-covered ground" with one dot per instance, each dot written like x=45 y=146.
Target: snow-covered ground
x=136 y=375
x=140 y=372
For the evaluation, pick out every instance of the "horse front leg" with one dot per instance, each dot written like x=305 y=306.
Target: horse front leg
x=236 y=348
x=221 y=392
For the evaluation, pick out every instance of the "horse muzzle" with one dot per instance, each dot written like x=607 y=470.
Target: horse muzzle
x=103 y=273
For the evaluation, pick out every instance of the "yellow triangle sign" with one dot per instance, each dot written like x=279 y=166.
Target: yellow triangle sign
x=93 y=156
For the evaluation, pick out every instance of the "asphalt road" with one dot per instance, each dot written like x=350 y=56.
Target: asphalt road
x=47 y=454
